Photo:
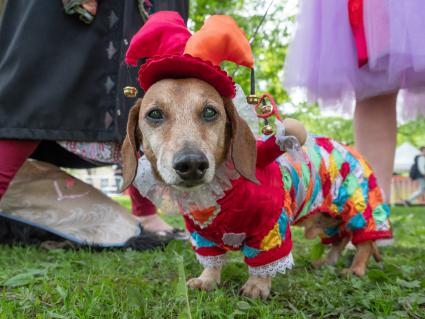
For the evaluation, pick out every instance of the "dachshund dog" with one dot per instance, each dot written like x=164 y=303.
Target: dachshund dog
x=189 y=134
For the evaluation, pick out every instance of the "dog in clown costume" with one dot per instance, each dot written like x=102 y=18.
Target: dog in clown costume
x=234 y=192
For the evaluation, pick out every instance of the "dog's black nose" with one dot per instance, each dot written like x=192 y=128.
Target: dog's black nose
x=190 y=166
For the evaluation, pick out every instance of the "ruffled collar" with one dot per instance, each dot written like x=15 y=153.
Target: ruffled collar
x=169 y=199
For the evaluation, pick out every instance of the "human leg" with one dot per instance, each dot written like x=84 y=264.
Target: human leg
x=13 y=154
x=420 y=191
x=145 y=211
x=375 y=129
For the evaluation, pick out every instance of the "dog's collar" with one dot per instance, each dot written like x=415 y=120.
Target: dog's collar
x=170 y=200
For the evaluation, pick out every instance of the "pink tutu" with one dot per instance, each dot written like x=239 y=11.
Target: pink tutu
x=322 y=59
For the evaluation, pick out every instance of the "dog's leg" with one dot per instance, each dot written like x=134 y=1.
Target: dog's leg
x=257 y=287
x=333 y=254
x=363 y=252
x=376 y=254
x=208 y=280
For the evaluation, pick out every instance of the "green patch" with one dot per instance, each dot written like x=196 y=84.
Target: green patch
x=339 y=160
x=35 y=283
x=306 y=174
x=380 y=214
x=287 y=179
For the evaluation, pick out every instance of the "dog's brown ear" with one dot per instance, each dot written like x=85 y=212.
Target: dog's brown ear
x=131 y=146
x=242 y=144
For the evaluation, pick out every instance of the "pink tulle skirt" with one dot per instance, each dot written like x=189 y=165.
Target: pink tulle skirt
x=322 y=58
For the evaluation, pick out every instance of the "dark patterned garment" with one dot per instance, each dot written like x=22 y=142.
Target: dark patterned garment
x=62 y=79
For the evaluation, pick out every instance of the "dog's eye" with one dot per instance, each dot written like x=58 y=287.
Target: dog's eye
x=155 y=115
x=209 y=113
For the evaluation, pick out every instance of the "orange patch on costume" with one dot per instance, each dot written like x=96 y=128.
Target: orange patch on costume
x=327 y=203
x=203 y=215
x=371 y=226
x=353 y=151
x=349 y=211
x=323 y=170
x=287 y=202
x=375 y=197
x=309 y=190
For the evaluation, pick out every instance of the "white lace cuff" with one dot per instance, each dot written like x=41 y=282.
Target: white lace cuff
x=212 y=261
x=270 y=270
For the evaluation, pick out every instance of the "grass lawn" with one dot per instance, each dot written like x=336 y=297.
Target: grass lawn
x=126 y=284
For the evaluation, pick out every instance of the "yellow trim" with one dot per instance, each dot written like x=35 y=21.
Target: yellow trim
x=272 y=239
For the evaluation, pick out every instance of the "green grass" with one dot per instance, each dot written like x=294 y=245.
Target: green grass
x=126 y=284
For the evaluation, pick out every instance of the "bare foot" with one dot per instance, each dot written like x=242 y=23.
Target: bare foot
x=208 y=280
x=155 y=224
x=257 y=287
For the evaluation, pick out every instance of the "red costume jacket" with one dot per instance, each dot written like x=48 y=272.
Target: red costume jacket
x=255 y=218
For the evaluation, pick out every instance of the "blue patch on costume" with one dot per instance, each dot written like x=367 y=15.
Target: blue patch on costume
x=316 y=189
x=357 y=222
x=342 y=198
x=332 y=231
x=250 y=252
x=295 y=179
x=387 y=209
x=352 y=161
x=364 y=185
x=283 y=223
x=201 y=241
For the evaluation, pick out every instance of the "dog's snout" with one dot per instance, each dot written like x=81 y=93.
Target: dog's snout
x=190 y=166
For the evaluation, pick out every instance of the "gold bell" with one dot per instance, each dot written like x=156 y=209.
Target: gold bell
x=267 y=129
x=266 y=109
x=252 y=99
x=130 y=91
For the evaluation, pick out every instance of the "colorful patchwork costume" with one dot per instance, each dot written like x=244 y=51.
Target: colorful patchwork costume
x=239 y=214
x=256 y=218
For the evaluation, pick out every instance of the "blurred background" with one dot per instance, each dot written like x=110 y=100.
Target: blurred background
x=270 y=47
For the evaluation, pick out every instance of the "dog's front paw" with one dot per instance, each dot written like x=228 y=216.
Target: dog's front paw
x=257 y=287
x=206 y=284
x=358 y=271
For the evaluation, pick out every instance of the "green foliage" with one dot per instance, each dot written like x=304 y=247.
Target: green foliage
x=335 y=127
x=412 y=132
x=182 y=294
x=269 y=46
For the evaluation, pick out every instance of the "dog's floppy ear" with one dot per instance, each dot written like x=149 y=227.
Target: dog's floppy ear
x=242 y=144
x=131 y=146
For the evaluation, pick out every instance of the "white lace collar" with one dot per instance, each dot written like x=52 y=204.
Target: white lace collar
x=171 y=200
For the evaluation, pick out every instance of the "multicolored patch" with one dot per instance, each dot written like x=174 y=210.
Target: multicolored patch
x=337 y=180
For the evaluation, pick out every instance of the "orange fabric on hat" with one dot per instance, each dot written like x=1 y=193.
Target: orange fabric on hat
x=220 y=39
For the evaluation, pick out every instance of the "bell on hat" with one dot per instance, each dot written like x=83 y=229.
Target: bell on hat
x=130 y=91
